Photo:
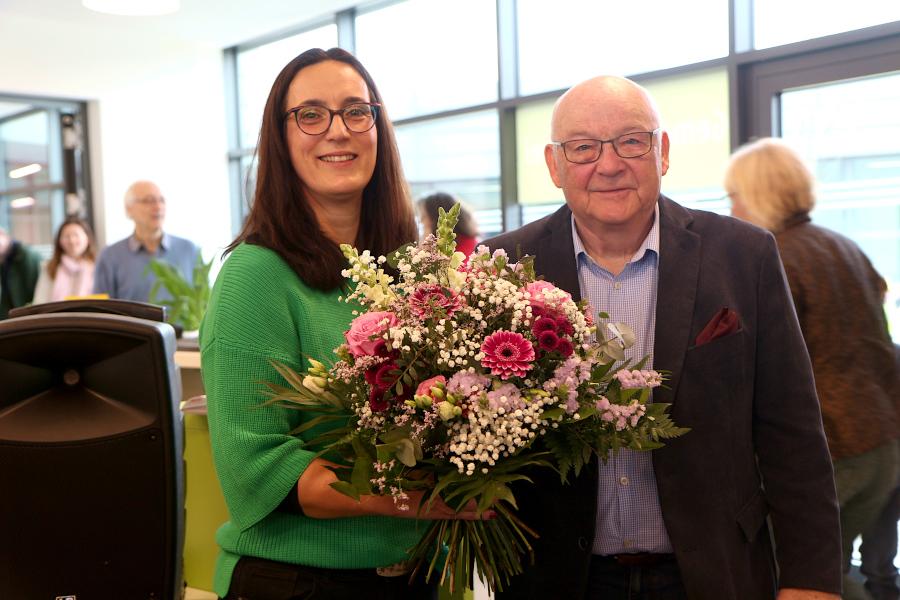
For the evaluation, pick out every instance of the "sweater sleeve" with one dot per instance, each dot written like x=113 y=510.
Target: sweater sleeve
x=252 y=320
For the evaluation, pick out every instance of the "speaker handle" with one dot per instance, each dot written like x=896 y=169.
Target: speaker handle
x=126 y=308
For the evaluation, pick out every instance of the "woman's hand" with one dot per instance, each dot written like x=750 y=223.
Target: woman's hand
x=438 y=509
x=320 y=501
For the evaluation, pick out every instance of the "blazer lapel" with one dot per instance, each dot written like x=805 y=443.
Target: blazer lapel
x=555 y=254
x=679 y=270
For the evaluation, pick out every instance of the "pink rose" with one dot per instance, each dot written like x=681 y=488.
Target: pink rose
x=536 y=290
x=364 y=337
x=424 y=388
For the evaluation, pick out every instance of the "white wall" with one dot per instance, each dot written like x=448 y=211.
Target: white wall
x=157 y=112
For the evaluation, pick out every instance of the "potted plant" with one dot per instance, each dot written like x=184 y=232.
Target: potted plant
x=188 y=299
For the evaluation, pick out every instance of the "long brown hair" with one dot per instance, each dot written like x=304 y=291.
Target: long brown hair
x=280 y=218
x=90 y=253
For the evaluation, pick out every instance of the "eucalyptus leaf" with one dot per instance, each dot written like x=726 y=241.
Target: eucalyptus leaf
x=347 y=489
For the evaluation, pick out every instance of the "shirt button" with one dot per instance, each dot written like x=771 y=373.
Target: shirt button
x=627 y=543
x=623 y=480
x=617 y=285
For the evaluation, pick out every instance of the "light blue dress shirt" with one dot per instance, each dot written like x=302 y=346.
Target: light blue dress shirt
x=629 y=518
x=122 y=273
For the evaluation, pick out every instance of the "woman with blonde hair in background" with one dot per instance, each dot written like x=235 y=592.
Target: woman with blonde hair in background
x=70 y=271
x=838 y=297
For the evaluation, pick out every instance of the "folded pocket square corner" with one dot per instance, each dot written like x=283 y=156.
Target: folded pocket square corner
x=724 y=322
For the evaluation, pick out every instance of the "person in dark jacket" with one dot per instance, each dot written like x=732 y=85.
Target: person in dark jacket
x=20 y=267
x=838 y=296
x=743 y=506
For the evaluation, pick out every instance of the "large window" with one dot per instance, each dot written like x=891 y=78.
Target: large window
x=465 y=163
x=694 y=110
x=849 y=133
x=41 y=154
x=538 y=195
x=779 y=22
x=470 y=85
x=428 y=56
x=571 y=40
x=258 y=67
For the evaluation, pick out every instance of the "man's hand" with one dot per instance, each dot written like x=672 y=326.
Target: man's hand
x=796 y=594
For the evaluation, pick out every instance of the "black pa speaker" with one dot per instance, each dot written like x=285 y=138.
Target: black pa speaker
x=91 y=467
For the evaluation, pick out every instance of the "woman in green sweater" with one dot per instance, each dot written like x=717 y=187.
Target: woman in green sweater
x=329 y=173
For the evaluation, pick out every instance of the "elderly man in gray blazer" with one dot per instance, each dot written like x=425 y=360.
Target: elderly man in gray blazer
x=741 y=507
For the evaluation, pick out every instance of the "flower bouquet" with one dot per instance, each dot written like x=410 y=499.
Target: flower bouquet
x=450 y=376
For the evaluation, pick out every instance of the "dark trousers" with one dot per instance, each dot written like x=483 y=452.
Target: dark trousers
x=258 y=579
x=610 y=580
x=879 y=547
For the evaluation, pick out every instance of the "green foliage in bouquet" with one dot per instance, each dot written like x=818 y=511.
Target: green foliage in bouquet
x=188 y=299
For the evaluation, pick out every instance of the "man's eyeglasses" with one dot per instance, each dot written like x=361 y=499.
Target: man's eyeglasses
x=316 y=120
x=628 y=145
x=148 y=200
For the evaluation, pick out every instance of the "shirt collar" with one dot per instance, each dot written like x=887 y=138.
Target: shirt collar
x=651 y=241
x=135 y=245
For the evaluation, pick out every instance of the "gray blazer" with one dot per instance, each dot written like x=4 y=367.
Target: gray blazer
x=756 y=448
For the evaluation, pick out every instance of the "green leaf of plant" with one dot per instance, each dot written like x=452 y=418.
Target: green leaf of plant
x=347 y=489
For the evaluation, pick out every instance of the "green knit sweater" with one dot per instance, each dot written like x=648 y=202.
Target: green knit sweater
x=261 y=311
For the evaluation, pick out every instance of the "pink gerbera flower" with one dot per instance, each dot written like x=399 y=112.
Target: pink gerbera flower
x=507 y=353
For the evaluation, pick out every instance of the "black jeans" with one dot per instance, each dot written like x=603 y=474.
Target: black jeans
x=258 y=579
x=612 y=581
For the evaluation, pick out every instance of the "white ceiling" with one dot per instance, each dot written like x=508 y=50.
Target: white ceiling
x=219 y=23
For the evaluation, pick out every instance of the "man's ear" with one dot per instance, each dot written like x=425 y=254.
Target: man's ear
x=664 y=152
x=550 y=158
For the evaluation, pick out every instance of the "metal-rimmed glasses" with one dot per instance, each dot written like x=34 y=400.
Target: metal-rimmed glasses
x=314 y=119
x=628 y=145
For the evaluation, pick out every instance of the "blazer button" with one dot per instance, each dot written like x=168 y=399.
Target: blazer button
x=582 y=543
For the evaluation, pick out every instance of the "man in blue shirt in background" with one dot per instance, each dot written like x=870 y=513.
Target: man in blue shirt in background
x=121 y=270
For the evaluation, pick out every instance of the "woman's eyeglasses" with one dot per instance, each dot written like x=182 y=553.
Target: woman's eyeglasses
x=315 y=120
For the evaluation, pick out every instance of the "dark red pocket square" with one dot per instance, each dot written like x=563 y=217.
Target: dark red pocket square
x=724 y=322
